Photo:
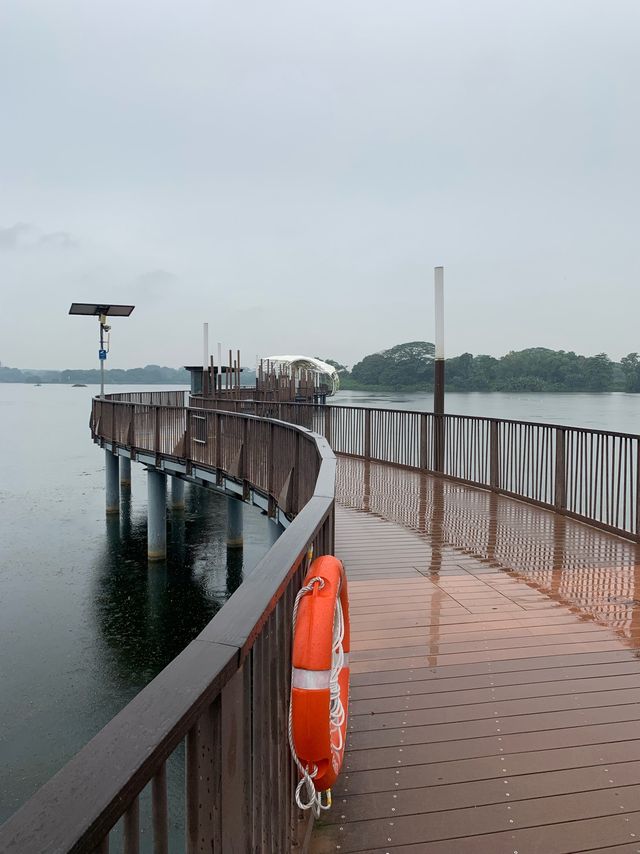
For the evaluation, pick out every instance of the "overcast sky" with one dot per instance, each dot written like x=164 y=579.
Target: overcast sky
x=291 y=172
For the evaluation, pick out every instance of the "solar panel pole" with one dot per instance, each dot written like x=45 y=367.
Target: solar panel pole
x=102 y=321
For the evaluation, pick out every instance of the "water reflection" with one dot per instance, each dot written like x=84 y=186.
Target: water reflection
x=595 y=574
x=148 y=612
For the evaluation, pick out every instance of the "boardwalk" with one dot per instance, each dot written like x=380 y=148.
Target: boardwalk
x=495 y=677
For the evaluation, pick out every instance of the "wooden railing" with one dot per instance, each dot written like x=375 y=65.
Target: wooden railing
x=591 y=475
x=223 y=700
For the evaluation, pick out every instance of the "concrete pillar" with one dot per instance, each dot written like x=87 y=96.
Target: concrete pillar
x=156 y=515
x=125 y=471
x=234 y=523
x=177 y=493
x=112 y=486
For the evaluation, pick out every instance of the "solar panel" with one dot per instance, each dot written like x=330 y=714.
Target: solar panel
x=96 y=309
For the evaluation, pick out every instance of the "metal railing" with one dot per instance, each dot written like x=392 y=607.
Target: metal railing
x=224 y=699
x=591 y=475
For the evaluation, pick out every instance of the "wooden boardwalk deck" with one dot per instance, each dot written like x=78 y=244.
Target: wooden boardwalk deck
x=495 y=699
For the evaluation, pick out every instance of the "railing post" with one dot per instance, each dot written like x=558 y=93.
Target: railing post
x=156 y=430
x=187 y=438
x=494 y=459
x=327 y=423
x=637 y=520
x=237 y=792
x=218 y=428
x=367 y=434
x=438 y=442
x=424 y=438
x=271 y=470
x=203 y=777
x=560 y=471
x=296 y=476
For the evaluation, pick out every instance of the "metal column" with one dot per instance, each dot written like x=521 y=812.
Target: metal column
x=177 y=493
x=234 y=523
x=156 y=515
x=125 y=471
x=111 y=481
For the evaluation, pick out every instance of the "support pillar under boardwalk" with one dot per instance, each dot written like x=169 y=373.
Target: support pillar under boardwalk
x=234 y=523
x=111 y=469
x=156 y=515
x=125 y=471
x=177 y=493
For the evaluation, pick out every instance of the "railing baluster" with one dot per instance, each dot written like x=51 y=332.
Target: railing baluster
x=132 y=828
x=203 y=783
x=159 y=811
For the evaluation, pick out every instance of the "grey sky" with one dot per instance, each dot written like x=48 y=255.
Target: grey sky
x=291 y=172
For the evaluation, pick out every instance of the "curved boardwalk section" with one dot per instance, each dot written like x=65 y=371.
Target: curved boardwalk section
x=495 y=674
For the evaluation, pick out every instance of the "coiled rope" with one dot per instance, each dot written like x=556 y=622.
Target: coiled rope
x=336 y=709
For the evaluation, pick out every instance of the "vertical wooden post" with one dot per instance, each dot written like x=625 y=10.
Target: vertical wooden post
x=296 y=476
x=424 y=439
x=367 y=434
x=637 y=528
x=156 y=429
x=203 y=782
x=560 y=471
x=237 y=791
x=327 y=423
x=494 y=459
x=187 y=437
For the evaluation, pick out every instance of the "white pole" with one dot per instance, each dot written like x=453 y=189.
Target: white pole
x=205 y=346
x=439 y=311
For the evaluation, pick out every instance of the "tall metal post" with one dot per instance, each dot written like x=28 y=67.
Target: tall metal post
x=234 y=523
x=438 y=365
x=101 y=359
x=111 y=469
x=156 y=515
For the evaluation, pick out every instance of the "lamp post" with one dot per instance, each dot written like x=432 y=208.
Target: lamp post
x=102 y=311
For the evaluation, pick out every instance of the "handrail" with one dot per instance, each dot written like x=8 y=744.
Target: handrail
x=226 y=694
x=590 y=475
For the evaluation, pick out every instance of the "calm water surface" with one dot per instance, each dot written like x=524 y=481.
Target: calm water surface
x=614 y=411
x=85 y=621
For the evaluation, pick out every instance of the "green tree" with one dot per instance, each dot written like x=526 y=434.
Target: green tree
x=631 y=369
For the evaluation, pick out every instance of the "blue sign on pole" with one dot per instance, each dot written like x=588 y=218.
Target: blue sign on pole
x=102 y=355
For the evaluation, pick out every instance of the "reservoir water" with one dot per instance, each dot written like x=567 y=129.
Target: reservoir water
x=612 y=411
x=85 y=621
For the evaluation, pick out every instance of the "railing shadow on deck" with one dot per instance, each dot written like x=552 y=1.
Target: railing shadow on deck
x=225 y=697
x=590 y=475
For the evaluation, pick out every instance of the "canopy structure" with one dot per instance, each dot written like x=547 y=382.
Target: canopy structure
x=325 y=374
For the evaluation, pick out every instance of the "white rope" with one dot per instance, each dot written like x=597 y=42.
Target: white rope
x=336 y=709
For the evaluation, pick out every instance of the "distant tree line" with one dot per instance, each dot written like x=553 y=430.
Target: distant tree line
x=409 y=367
x=150 y=375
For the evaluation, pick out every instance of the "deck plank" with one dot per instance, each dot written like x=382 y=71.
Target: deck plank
x=495 y=688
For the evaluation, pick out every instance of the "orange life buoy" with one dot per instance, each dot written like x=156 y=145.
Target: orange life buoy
x=318 y=713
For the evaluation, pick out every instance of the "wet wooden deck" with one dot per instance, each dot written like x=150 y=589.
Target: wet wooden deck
x=495 y=701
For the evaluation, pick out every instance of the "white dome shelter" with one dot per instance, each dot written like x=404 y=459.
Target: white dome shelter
x=295 y=366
